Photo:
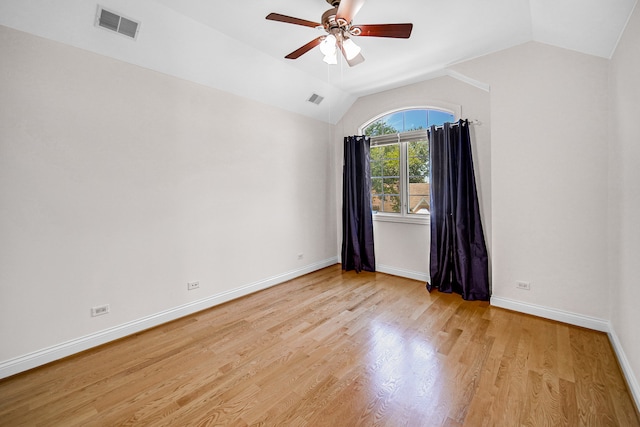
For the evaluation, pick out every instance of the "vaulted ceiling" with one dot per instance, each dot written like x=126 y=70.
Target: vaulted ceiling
x=231 y=46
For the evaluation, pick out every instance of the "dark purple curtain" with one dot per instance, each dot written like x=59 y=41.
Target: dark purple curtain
x=357 y=222
x=458 y=259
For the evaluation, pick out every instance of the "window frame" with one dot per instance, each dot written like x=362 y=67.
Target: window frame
x=403 y=139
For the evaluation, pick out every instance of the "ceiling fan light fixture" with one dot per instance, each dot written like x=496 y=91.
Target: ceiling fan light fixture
x=331 y=59
x=351 y=50
x=328 y=46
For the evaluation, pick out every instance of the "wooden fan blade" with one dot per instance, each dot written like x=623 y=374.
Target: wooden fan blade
x=292 y=20
x=304 y=49
x=348 y=9
x=398 y=31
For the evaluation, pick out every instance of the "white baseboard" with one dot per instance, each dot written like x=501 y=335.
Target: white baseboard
x=585 y=322
x=49 y=354
x=416 y=275
x=632 y=381
x=552 y=313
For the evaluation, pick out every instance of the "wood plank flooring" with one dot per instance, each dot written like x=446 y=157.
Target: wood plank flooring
x=335 y=349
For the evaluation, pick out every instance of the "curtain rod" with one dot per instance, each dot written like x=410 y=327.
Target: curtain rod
x=471 y=122
x=392 y=138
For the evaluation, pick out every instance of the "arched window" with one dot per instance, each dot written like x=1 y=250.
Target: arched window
x=400 y=161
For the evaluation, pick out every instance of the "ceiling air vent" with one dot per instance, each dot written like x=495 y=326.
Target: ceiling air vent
x=116 y=22
x=315 y=99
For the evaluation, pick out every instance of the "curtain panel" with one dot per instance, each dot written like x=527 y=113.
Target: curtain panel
x=458 y=258
x=357 y=221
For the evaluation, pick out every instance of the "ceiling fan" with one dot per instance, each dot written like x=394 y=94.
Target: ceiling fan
x=337 y=23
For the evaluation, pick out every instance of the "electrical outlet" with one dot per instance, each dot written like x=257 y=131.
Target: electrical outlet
x=525 y=286
x=99 y=310
x=300 y=256
x=193 y=285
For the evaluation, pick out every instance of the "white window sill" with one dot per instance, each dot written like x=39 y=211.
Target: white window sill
x=408 y=219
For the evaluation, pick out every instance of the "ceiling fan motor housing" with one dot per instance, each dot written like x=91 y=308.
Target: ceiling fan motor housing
x=329 y=20
x=337 y=26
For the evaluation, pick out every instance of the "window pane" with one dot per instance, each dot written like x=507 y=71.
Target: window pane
x=439 y=117
x=419 y=203
x=391 y=203
x=385 y=160
x=376 y=186
x=379 y=127
x=376 y=167
x=391 y=185
x=384 y=152
x=391 y=160
x=395 y=120
x=418 y=167
x=418 y=158
x=385 y=178
x=418 y=179
x=407 y=120
x=376 y=203
x=415 y=119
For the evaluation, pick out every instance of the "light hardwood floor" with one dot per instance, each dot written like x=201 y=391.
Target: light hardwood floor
x=335 y=349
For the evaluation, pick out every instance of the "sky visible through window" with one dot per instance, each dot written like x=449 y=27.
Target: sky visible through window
x=403 y=121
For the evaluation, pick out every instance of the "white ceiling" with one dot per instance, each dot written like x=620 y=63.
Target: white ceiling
x=230 y=45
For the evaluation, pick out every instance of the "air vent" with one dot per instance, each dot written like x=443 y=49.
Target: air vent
x=315 y=99
x=116 y=22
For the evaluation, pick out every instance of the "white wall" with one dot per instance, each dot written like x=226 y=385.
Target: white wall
x=624 y=195
x=118 y=185
x=548 y=158
x=404 y=248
